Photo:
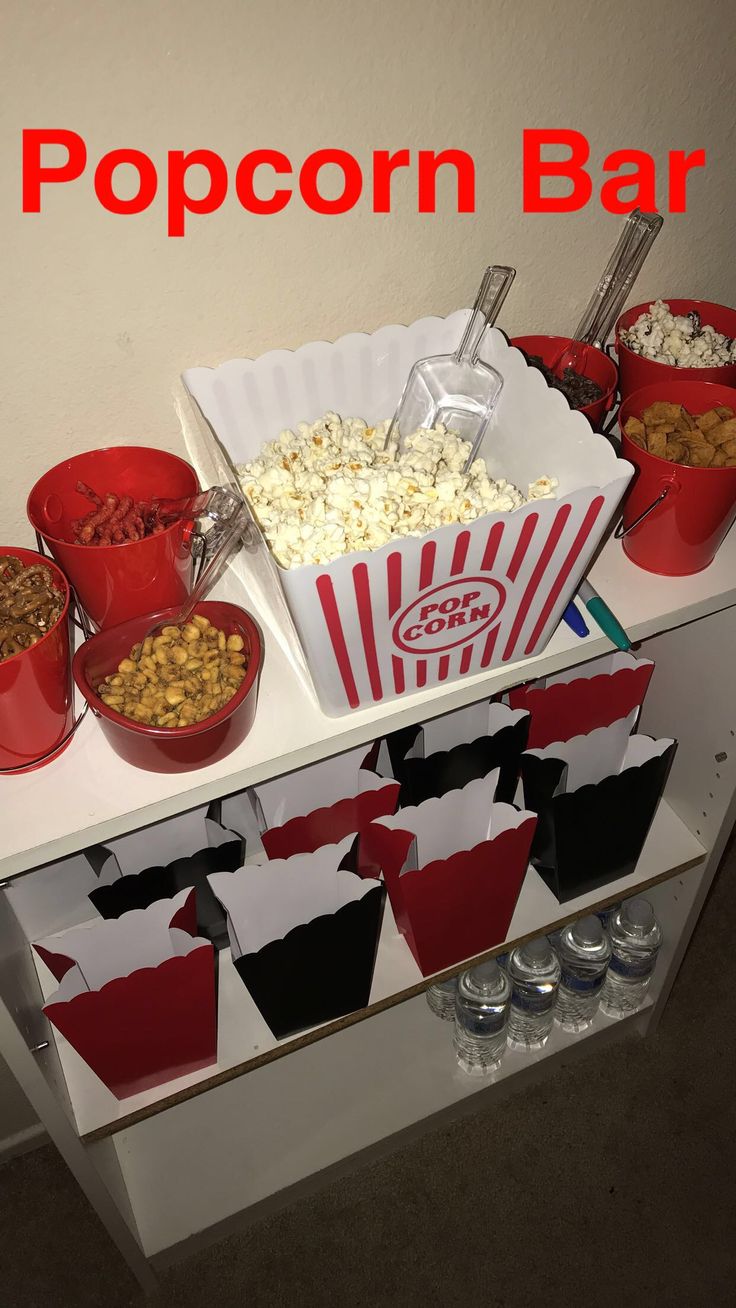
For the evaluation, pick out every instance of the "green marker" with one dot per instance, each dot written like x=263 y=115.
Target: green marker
x=598 y=609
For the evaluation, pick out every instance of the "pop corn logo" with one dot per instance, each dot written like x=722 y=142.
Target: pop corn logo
x=449 y=615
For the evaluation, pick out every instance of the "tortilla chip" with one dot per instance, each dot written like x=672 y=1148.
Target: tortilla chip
x=661 y=411
x=722 y=432
x=729 y=448
x=675 y=451
x=708 y=419
x=724 y=412
x=634 y=429
x=730 y=463
x=656 y=441
x=719 y=459
x=686 y=421
x=702 y=456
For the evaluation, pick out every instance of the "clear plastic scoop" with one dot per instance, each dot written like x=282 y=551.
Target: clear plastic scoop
x=457 y=390
x=639 y=233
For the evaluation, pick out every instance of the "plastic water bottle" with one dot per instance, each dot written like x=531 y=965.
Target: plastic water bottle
x=635 y=940
x=534 y=973
x=605 y=914
x=481 y=1016
x=584 y=952
x=441 y=998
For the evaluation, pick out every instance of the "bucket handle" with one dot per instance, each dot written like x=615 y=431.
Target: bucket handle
x=83 y=623
x=622 y=531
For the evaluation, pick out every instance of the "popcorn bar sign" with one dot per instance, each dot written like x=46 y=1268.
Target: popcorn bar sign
x=449 y=615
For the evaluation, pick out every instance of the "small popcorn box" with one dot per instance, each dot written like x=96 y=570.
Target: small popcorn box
x=422 y=610
x=136 y=996
x=320 y=804
x=462 y=746
x=210 y=847
x=454 y=867
x=303 y=935
x=592 y=826
x=576 y=701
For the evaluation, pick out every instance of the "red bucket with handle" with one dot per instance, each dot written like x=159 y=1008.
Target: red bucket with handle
x=675 y=517
x=598 y=368
x=36 y=689
x=636 y=372
x=117 y=582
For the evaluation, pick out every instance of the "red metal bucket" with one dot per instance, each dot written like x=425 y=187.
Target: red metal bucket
x=118 y=582
x=636 y=372
x=599 y=368
x=675 y=517
x=36 y=689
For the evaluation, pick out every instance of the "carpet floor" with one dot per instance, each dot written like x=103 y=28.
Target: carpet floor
x=611 y=1183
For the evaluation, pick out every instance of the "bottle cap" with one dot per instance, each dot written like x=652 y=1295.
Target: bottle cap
x=587 y=931
x=538 y=951
x=638 y=913
x=486 y=976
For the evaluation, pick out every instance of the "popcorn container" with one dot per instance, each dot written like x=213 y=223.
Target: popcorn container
x=675 y=517
x=636 y=371
x=598 y=368
x=36 y=688
x=423 y=610
x=117 y=582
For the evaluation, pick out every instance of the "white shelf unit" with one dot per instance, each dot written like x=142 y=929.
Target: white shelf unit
x=180 y=1164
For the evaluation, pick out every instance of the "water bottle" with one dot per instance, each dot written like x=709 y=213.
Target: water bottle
x=481 y=1015
x=584 y=952
x=635 y=940
x=534 y=973
x=441 y=998
x=605 y=914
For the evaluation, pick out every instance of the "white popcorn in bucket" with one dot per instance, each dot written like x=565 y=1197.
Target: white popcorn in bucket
x=331 y=488
x=677 y=340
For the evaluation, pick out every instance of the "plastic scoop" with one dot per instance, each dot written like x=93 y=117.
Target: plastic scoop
x=637 y=237
x=231 y=527
x=457 y=390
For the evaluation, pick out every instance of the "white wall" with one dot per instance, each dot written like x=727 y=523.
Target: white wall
x=104 y=312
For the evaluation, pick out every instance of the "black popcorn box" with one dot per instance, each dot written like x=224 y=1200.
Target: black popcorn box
x=224 y=851
x=451 y=750
x=593 y=833
x=303 y=935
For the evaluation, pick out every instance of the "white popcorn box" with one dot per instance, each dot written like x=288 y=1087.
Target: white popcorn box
x=421 y=610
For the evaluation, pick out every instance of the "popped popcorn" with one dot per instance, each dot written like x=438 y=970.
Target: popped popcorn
x=330 y=488
x=680 y=341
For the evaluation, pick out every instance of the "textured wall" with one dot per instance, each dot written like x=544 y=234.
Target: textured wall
x=105 y=311
x=102 y=312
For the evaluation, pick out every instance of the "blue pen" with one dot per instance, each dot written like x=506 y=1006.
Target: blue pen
x=575 y=621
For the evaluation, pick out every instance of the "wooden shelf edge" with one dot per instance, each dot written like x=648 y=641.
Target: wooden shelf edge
x=351 y=1019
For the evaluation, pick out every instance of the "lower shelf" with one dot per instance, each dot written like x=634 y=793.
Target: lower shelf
x=245 y=1043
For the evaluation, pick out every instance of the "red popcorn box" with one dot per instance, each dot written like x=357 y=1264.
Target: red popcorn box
x=453 y=868
x=136 y=996
x=576 y=701
x=321 y=804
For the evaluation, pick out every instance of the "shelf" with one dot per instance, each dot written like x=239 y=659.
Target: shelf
x=245 y=1042
x=89 y=794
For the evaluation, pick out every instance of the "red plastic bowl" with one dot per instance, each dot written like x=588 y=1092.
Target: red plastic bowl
x=118 y=582
x=36 y=699
x=636 y=371
x=171 y=749
x=599 y=369
x=680 y=533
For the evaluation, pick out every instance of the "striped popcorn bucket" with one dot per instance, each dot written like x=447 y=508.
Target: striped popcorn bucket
x=424 y=610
